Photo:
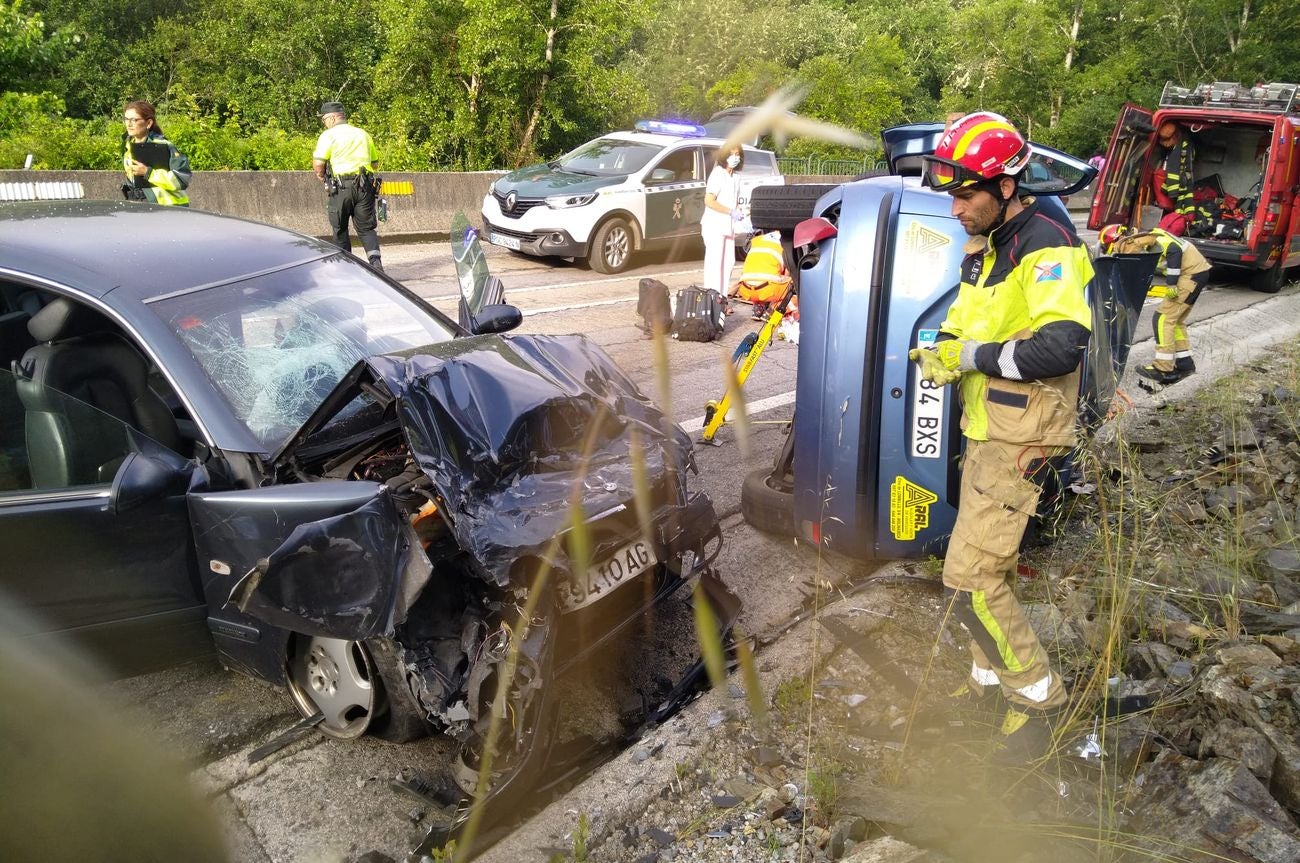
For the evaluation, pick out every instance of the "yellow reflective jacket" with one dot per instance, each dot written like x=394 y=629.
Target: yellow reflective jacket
x=161 y=185
x=1178 y=257
x=1023 y=299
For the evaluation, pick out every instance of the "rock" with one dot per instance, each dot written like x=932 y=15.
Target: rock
x=741 y=787
x=1226 y=502
x=661 y=837
x=1215 y=807
x=887 y=849
x=726 y=801
x=1231 y=739
x=1187 y=511
x=766 y=756
x=1281 y=564
x=1270 y=687
x=1239 y=656
x=1284 y=646
x=1054 y=630
x=846 y=830
x=1129 y=742
x=1240 y=434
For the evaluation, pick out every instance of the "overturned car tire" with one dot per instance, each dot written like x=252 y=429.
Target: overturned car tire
x=767 y=504
x=780 y=208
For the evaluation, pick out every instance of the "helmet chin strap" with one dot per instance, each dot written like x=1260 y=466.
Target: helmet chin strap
x=994 y=187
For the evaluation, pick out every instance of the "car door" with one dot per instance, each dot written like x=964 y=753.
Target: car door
x=674 y=194
x=104 y=559
x=1121 y=177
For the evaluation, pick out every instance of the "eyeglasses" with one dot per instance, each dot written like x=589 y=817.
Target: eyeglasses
x=133 y=119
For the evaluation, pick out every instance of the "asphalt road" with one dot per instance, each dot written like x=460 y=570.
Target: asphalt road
x=321 y=800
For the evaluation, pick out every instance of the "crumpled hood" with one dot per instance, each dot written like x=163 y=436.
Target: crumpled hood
x=499 y=424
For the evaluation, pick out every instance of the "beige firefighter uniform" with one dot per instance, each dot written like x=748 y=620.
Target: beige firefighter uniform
x=1186 y=272
x=1023 y=320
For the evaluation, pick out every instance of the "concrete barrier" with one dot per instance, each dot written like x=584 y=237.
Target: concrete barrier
x=296 y=200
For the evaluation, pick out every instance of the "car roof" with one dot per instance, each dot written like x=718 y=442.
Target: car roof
x=141 y=249
x=666 y=140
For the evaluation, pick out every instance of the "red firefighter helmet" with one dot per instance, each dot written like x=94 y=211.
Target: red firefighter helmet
x=976 y=148
x=1109 y=235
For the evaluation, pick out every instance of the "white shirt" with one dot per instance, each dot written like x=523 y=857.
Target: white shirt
x=725 y=187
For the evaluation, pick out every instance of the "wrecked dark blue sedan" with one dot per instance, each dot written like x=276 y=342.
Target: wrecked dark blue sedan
x=215 y=433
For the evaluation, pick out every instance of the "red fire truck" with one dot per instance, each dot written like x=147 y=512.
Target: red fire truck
x=1245 y=177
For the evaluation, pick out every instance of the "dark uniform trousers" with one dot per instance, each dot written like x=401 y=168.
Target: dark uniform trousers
x=355 y=200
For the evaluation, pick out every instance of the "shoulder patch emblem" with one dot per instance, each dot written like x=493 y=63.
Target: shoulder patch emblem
x=1048 y=273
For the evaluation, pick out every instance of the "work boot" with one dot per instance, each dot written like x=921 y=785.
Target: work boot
x=1161 y=376
x=376 y=263
x=1185 y=366
x=1026 y=735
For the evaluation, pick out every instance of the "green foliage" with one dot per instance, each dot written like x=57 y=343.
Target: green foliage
x=483 y=84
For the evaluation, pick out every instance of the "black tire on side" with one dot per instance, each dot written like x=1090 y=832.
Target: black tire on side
x=611 y=247
x=780 y=208
x=399 y=719
x=1269 y=281
x=766 y=505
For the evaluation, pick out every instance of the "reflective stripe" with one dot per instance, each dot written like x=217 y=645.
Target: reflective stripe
x=1182 y=354
x=1166 y=355
x=984 y=676
x=991 y=626
x=1037 y=692
x=975 y=131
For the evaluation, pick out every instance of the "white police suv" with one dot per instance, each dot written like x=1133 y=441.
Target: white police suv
x=615 y=195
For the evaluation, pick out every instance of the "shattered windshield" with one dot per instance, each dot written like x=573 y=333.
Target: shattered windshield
x=276 y=345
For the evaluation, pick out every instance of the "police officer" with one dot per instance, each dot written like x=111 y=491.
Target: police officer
x=1012 y=342
x=350 y=155
x=1186 y=273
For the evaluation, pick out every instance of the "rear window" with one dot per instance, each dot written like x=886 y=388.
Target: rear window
x=759 y=163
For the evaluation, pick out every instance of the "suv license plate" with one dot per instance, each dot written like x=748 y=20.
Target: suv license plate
x=503 y=240
x=626 y=564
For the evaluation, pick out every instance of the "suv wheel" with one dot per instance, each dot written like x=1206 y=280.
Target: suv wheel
x=780 y=208
x=611 y=247
x=1269 y=281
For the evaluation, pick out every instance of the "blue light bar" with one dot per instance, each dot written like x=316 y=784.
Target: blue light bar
x=680 y=128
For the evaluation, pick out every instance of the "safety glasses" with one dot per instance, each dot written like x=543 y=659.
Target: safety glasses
x=944 y=175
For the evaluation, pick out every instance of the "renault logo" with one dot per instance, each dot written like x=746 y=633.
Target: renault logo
x=511 y=200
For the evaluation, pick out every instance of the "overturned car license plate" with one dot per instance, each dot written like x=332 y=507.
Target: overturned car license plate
x=503 y=240
x=628 y=562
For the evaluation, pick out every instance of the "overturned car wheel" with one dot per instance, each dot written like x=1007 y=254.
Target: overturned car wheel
x=340 y=680
x=766 y=503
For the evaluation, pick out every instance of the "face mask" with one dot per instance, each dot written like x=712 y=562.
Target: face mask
x=733 y=161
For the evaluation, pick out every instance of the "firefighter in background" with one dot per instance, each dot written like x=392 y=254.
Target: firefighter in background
x=1012 y=341
x=1173 y=180
x=349 y=154
x=1186 y=273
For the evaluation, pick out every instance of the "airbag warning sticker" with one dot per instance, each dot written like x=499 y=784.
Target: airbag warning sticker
x=909 y=509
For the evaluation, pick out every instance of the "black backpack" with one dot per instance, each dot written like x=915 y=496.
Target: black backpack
x=699 y=315
x=653 y=306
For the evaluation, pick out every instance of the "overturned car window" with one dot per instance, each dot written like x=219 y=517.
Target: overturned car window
x=276 y=345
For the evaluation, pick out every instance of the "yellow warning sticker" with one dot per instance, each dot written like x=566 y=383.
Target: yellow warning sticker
x=909 y=508
x=397 y=187
x=924 y=262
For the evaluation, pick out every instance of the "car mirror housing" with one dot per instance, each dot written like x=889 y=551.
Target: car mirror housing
x=496 y=318
x=139 y=480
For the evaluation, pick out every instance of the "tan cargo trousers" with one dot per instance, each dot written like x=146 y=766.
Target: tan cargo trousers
x=1000 y=487
x=1173 y=349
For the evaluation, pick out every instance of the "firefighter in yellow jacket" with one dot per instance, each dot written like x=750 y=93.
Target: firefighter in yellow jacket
x=1186 y=273
x=1012 y=341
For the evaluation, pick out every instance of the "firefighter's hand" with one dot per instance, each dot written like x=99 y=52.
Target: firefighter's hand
x=1170 y=292
x=957 y=355
x=932 y=368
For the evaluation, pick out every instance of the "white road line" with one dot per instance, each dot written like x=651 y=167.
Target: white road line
x=549 y=309
x=752 y=409
x=561 y=285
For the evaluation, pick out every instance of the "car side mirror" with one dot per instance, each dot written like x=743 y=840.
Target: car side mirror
x=496 y=318
x=662 y=175
x=139 y=480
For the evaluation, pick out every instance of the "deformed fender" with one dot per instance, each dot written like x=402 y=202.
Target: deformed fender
x=352 y=575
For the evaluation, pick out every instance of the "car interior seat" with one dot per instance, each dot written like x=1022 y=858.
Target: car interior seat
x=81 y=354
x=17 y=305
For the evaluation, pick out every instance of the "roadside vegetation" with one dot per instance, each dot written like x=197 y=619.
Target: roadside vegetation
x=488 y=84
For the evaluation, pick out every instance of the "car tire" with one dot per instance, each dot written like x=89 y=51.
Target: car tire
x=611 y=247
x=767 y=504
x=400 y=719
x=1269 y=281
x=780 y=208
x=341 y=680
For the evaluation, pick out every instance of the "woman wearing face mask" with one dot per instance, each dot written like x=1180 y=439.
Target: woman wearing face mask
x=721 y=212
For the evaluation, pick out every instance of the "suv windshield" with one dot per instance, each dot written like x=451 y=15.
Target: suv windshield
x=276 y=345
x=608 y=157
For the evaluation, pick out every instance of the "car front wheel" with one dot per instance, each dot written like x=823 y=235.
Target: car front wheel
x=611 y=247
x=355 y=687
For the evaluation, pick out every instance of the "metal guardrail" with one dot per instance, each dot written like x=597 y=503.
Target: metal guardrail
x=51 y=191
x=817 y=166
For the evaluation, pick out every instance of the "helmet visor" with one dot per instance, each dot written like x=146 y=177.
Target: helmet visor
x=944 y=175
